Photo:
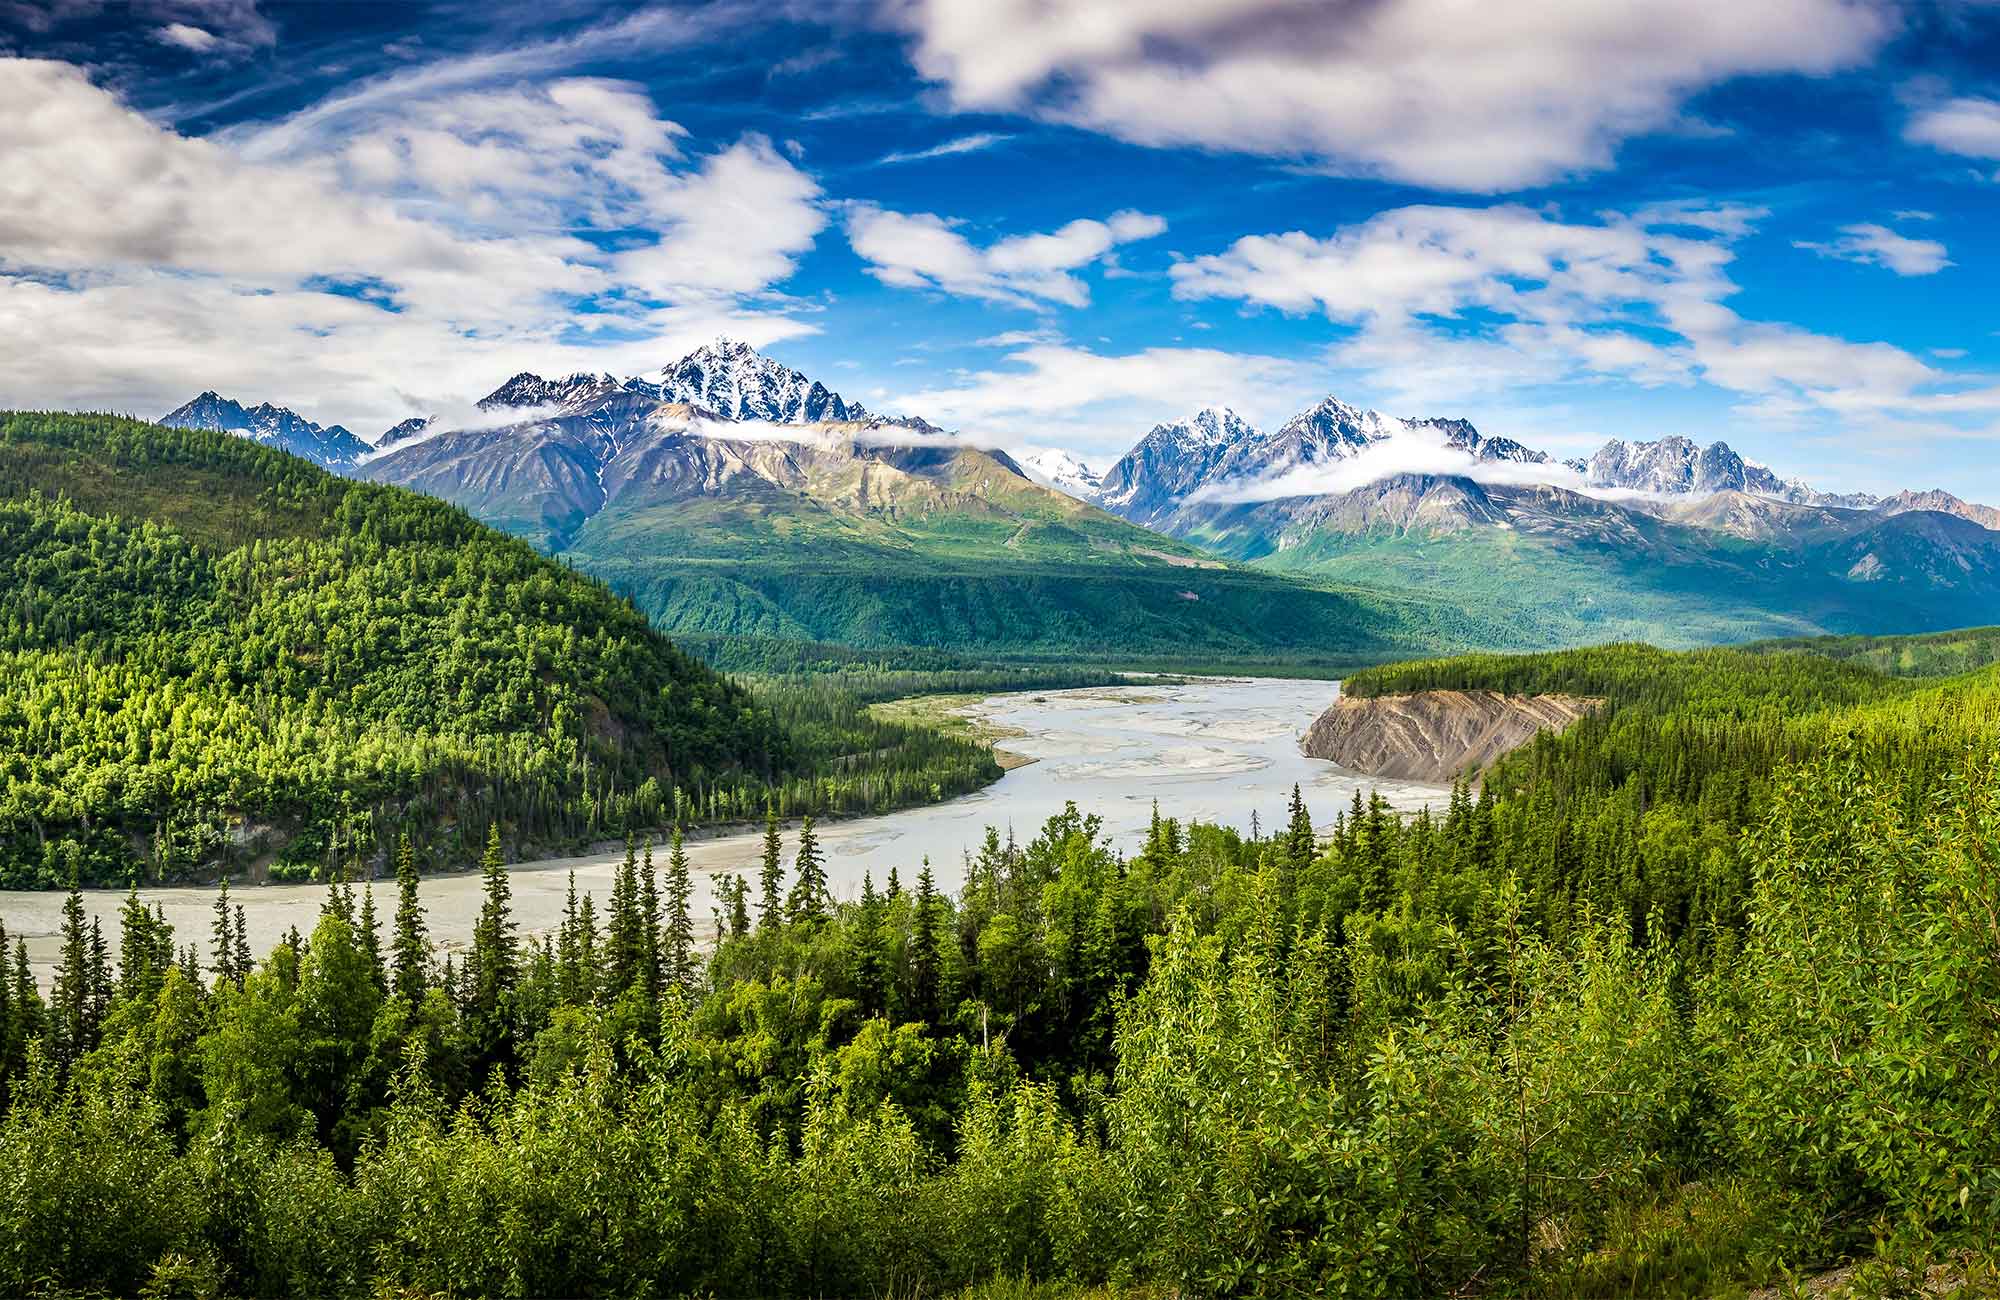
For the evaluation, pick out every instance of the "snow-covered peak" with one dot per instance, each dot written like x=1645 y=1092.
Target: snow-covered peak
x=738 y=382
x=527 y=391
x=1061 y=470
x=274 y=426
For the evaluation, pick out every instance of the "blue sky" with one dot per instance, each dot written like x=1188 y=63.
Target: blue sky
x=1043 y=224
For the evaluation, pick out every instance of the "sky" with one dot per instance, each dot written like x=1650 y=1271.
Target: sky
x=1046 y=223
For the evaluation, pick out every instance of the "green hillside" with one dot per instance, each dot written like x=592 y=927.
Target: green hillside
x=1671 y=586
x=994 y=566
x=216 y=656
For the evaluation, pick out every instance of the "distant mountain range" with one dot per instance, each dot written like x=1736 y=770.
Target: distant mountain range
x=1670 y=540
x=273 y=426
x=730 y=493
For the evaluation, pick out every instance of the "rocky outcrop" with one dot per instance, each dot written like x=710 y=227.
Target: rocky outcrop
x=1435 y=736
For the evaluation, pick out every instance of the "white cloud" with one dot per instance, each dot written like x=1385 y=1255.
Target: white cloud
x=1401 y=453
x=1436 y=92
x=199 y=40
x=1967 y=126
x=1100 y=403
x=366 y=273
x=923 y=251
x=1455 y=302
x=975 y=143
x=1873 y=245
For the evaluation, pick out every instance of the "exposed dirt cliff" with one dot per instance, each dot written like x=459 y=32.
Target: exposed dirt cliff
x=1435 y=735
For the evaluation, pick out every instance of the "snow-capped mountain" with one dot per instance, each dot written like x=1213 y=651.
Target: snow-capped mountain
x=1679 y=466
x=532 y=392
x=274 y=426
x=1056 y=468
x=737 y=382
x=1170 y=462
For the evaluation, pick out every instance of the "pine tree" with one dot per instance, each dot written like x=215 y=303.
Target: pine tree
x=243 y=962
x=895 y=888
x=810 y=899
x=69 y=999
x=371 y=939
x=1300 y=843
x=737 y=891
x=652 y=962
x=140 y=968
x=569 y=980
x=495 y=954
x=410 y=951
x=679 y=939
x=926 y=955
x=222 y=936
x=624 y=924
x=771 y=875
x=870 y=956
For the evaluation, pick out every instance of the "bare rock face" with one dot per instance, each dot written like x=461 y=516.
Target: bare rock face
x=1435 y=736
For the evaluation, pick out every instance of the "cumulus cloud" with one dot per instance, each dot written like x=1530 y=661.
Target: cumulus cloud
x=1458 y=301
x=1873 y=245
x=1435 y=92
x=1967 y=126
x=923 y=251
x=424 y=249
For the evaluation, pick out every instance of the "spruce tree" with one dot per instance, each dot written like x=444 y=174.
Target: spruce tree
x=771 y=875
x=242 y=945
x=652 y=961
x=371 y=939
x=569 y=981
x=926 y=955
x=623 y=925
x=222 y=936
x=495 y=954
x=679 y=938
x=69 y=999
x=139 y=966
x=810 y=899
x=1300 y=843
x=410 y=951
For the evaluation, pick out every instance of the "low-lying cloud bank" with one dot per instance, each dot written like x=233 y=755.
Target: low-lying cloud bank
x=1400 y=454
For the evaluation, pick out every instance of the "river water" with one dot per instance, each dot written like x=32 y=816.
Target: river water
x=1214 y=749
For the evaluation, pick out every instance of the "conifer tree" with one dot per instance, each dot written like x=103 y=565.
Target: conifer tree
x=140 y=967
x=569 y=982
x=679 y=937
x=771 y=874
x=1300 y=842
x=70 y=997
x=810 y=899
x=736 y=891
x=371 y=939
x=222 y=936
x=894 y=890
x=495 y=956
x=623 y=925
x=410 y=951
x=243 y=962
x=870 y=958
x=653 y=962
x=926 y=955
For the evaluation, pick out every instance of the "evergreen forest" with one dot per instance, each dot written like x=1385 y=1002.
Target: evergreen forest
x=1698 y=996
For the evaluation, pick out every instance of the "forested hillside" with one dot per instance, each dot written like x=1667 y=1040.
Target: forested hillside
x=216 y=656
x=1701 y=994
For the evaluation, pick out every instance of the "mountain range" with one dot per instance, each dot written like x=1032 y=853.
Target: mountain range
x=731 y=494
